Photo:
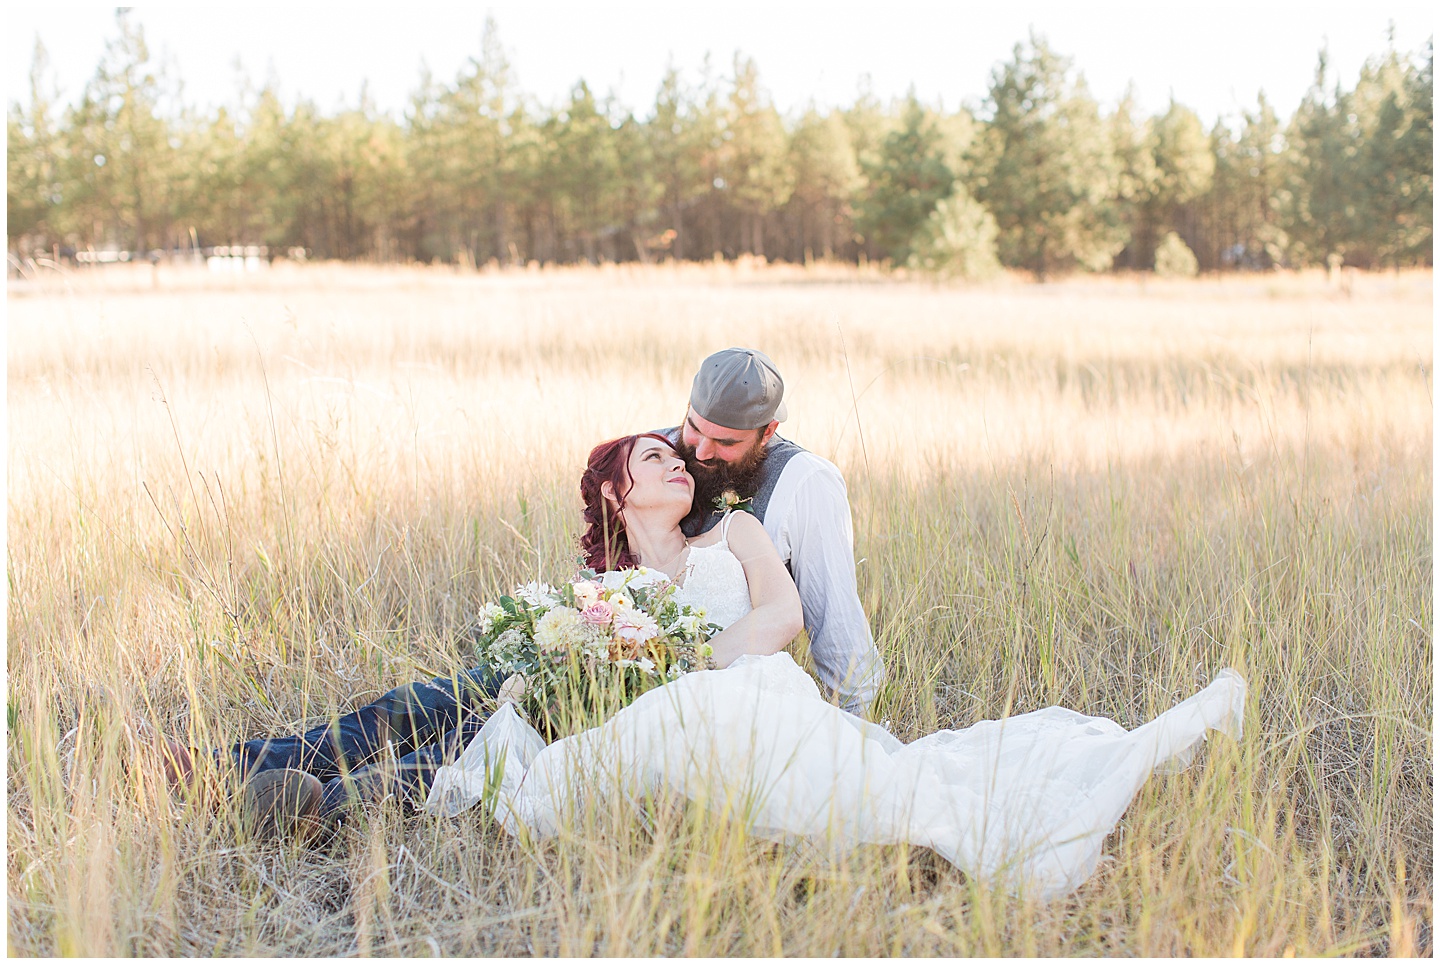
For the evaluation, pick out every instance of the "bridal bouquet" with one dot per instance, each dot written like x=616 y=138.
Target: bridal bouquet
x=593 y=645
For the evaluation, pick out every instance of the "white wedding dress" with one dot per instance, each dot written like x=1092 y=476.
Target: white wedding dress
x=1025 y=802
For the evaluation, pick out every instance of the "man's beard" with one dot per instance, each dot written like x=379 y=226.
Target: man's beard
x=717 y=477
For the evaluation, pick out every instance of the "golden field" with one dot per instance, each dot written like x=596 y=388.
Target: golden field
x=239 y=504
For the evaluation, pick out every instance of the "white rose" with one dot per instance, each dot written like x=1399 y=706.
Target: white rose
x=586 y=593
x=615 y=579
x=645 y=576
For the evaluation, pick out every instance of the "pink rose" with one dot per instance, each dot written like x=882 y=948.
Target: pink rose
x=598 y=613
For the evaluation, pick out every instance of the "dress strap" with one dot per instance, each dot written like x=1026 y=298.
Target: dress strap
x=725 y=526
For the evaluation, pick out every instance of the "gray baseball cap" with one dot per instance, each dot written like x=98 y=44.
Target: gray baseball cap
x=739 y=388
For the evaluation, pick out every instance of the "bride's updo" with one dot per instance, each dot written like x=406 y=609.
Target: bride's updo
x=604 y=544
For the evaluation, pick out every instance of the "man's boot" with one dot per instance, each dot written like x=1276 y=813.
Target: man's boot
x=282 y=803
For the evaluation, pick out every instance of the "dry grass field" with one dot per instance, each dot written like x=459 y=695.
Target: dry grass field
x=240 y=504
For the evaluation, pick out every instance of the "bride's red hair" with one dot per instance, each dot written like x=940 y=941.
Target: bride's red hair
x=604 y=544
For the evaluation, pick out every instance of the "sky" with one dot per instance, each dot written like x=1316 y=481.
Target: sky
x=1213 y=57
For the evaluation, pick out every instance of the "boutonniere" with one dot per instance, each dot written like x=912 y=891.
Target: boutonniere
x=730 y=499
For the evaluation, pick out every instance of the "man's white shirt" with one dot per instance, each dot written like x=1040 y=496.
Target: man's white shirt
x=808 y=520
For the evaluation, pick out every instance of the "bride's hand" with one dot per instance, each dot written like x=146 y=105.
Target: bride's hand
x=513 y=689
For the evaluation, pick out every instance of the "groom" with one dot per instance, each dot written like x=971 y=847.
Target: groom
x=730 y=446
x=728 y=438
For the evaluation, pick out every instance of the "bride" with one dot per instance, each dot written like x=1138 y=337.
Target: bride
x=1027 y=800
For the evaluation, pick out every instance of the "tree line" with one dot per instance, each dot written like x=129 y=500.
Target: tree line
x=1036 y=177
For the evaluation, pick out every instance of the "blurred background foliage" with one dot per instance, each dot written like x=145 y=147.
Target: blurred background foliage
x=1035 y=177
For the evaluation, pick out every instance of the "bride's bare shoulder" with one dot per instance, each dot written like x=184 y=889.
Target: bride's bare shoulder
x=747 y=537
x=738 y=526
x=744 y=524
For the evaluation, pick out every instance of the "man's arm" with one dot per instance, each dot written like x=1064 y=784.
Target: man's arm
x=817 y=531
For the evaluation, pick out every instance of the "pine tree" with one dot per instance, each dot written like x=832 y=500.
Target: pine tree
x=1261 y=152
x=1184 y=167
x=906 y=180
x=706 y=144
x=586 y=168
x=472 y=129
x=1387 y=229
x=826 y=176
x=1135 y=176
x=1318 y=198
x=1414 y=160
x=120 y=153
x=33 y=184
x=1043 y=167
x=425 y=134
x=671 y=137
x=637 y=191
x=754 y=165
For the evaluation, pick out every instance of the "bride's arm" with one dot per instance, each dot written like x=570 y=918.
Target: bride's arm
x=776 y=618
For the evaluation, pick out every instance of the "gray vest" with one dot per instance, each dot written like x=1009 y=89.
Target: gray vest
x=778 y=452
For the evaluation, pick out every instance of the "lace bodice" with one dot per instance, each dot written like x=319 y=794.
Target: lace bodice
x=714 y=579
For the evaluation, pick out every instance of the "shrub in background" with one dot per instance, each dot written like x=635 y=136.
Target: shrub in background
x=1174 y=259
x=957 y=240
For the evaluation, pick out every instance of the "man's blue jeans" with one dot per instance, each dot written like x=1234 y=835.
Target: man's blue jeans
x=423 y=725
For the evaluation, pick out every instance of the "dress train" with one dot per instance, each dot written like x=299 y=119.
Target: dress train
x=1027 y=800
